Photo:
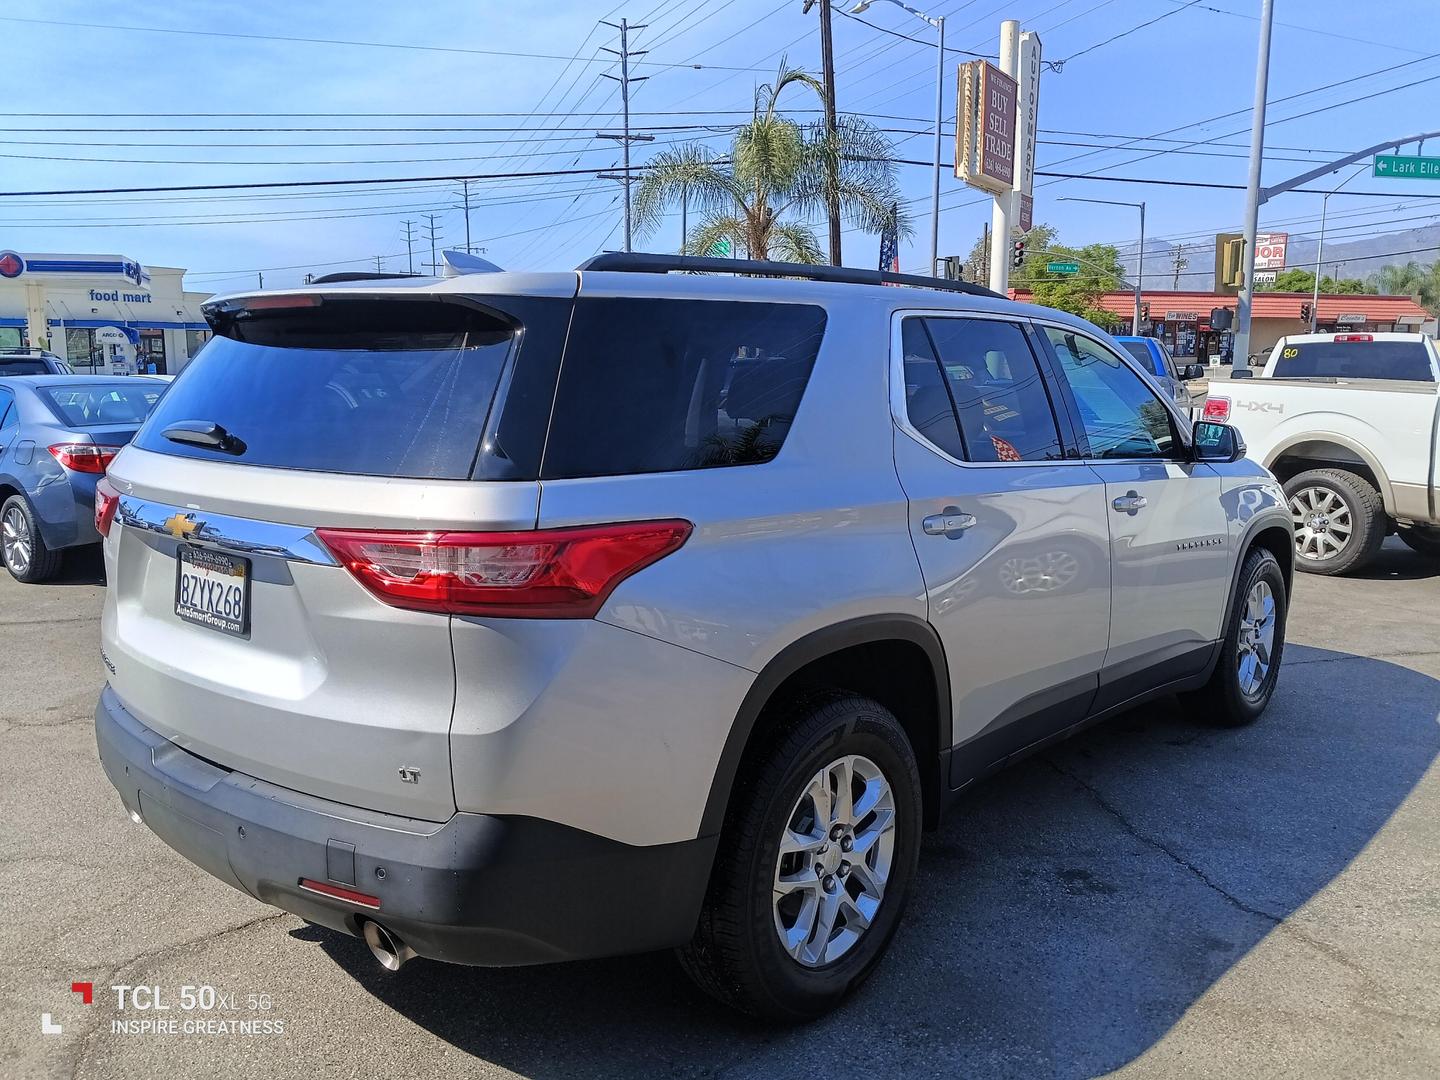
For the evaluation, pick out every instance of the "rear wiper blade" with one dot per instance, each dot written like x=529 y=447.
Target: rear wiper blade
x=207 y=434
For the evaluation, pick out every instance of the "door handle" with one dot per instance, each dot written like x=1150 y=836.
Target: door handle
x=1130 y=502
x=951 y=522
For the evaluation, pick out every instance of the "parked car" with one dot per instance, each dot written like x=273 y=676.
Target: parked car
x=1156 y=359
x=32 y=362
x=531 y=617
x=1350 y=423
x=57 y=435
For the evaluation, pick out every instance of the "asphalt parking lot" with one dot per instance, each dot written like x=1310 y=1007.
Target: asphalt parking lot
x=1154 y=897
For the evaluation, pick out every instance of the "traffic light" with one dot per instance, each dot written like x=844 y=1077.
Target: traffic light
x=1017 y=253
x=1145 y=310
x=1233 y=263
x=1305 y=312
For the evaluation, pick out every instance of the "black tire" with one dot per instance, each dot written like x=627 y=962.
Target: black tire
x=736 y=955
x=1362 y=504
x=1421 y=540
x=43 y=564
x=1223 y=701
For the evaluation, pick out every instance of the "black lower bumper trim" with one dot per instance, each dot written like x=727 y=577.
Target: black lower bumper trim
x=477 y=889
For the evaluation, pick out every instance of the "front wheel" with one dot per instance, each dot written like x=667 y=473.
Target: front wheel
x=1249 y=665
x=816 y=859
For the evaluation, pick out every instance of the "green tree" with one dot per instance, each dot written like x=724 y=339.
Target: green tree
x=1100 y=272
x=1298 y=279
x=762 y=195
x=1420 y=283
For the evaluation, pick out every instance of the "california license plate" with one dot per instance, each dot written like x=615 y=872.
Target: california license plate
x=213 y=589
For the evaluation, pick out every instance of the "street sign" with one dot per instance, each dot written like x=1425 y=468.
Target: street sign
x=985 y=136
x=1063 y=267
x=721 y=248
x=1407 y=167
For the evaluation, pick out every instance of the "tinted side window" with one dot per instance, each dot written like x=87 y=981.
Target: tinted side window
x=999 y=393
x=927 y=401
x=652 y=385
x=1121 y=416
x=9 y=414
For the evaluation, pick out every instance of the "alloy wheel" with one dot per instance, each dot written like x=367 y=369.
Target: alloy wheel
x=15 y=540
x=834 y=861
x=1323 y=523
x=1256 y=640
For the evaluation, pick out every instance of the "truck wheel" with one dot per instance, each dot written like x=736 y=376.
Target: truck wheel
x=1339 y=521
x=1249 y=664
x=23 y=548
x=1421 y=540
x=816 y=859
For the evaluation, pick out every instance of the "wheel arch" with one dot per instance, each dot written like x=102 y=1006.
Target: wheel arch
x=1273 y=532
x=896 y=659
x=1330 y=450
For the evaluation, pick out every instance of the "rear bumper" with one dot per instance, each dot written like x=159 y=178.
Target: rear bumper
x=477 y=889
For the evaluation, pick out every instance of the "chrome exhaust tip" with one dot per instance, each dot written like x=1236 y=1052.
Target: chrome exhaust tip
x=386 y=947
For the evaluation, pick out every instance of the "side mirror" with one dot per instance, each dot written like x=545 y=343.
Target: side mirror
x=1193 y=371
x=1216 y=442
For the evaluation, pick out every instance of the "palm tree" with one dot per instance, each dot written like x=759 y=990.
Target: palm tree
x=761 y=195
x=1421 y=283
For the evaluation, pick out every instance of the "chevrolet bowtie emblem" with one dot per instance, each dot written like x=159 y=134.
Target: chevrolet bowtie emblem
x=181 y=526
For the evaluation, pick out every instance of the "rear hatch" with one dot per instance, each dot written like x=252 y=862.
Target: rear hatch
x=230 y=626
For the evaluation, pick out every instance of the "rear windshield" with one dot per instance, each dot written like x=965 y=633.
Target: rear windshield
x=91 y=405
x=11 y=366
x=362 y=387
x=659 y=385
x=1406 y=360
x=1141 y=352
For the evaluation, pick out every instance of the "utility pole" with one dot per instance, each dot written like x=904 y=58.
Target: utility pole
x=465 y=195
x=1000 y=215
x=409 y=245
x=625 y=139
x=379 y=269
x=827 y=62
x=434 y=234
x=1240 y=367
x=259 y=274
x=1180 y=264
x=985 y=259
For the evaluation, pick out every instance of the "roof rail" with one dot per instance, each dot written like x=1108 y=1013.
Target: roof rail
x=638 y=262
x=359 y=275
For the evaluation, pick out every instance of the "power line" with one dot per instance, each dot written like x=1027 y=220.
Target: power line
x=339 y=41
x=1126 y=33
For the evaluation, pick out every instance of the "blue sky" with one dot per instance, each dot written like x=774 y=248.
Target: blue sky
x=1195 y=63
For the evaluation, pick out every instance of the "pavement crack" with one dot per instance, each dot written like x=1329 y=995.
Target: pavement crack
x=1150 y=841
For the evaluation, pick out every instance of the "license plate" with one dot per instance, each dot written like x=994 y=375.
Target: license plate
x=213 y=589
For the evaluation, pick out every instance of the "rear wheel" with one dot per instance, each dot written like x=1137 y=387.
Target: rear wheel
x=21 y=545
x=1339 y=521
x=1249 y=665
x=816 y=860
x=1421 y=540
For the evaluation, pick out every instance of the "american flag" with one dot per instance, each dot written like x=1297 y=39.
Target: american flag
x=890 y=241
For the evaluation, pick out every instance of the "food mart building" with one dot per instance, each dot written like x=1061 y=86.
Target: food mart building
x=101 y=312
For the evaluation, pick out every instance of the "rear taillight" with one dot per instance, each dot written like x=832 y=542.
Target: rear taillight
x=1354 y=337
x=107 y=500
x=84 y=457
x=1217 y=410
x=537 y=574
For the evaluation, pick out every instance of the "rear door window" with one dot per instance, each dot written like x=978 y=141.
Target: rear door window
x=999 y=393
x=1402 y=360
x=364 y=387
x=650 y=385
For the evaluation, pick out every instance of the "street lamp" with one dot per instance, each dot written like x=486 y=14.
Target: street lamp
x=938 y=22
x=1320 y=250
x=1140 y=259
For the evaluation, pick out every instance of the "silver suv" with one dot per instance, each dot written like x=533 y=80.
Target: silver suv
x=516 y=618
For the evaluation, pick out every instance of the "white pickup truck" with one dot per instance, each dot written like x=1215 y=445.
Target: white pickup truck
x=1350 y=424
